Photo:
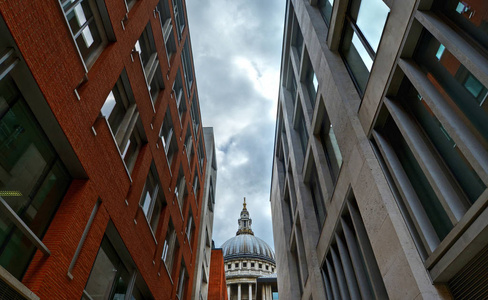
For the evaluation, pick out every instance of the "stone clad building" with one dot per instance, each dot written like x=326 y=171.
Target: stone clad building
x=380 y=172
x=250 y=267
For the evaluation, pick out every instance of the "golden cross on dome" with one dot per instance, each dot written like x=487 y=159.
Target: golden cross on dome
x=244 y=203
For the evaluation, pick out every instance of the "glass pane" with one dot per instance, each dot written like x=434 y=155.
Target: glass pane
x=103 y=273
x=470 y=15
x=431 y=204
x=30 y=169
x=371 y=20
x=467 y=178
x=325 y=7
x=453 y=80
x=357 y=58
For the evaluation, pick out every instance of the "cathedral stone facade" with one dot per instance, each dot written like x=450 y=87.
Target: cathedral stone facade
x=250 y=267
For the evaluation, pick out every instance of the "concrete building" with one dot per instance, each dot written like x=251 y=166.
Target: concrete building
x=247 y=260
x=102 y=152
x=204 y=246
x=381 y=151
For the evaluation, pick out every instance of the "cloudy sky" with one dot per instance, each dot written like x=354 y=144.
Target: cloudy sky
x=236 y=51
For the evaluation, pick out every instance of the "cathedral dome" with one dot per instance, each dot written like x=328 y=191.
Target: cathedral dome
x=247 y=246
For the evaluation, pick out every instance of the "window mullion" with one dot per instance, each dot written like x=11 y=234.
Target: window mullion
x=70 y=8
x=80 y=31
x=362 y=38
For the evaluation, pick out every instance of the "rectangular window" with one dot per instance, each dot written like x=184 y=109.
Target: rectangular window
x=180 y=189
x=325 y=7
x=122 y=116
x=168 y=138
x=146 y=48
x=190 y=228
x=301 y=127
x=454 y=80
x=169 y=246
x=297 y=37
x=361 y=38
x=187 y=67
x=87 y=27
x=179 y=17
x=331 y=148
x=317 y=197
x=195 y=114
x=35 y=180
x=179 y=96
x=182 y=283
x=189 y=145
x=200 y=155
x=152 y=199
x=468 y=15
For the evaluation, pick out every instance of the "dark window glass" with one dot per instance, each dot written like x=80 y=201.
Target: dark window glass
x=302 y=131
x=325 y=7
x=317 y=198
x=362 y=35
x=331 y=148
x=431 y=204
x=454 y=81
x=109 y=277
x=467 y=178
x=81 y=18
x=469 y=15
x=30 y=167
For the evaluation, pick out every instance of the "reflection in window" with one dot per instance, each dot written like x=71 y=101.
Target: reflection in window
x=179 y=17
x=179 y=95
x=365 y=21
x=169 y=247
x=30 y=166
x=122 y=116
x=180 y=188
x=470 y=15
x=325 y=7
x=182 y=283
x=168 y=138
x=454 y=81
x=317 y=197
x=146 y=48
x=84 y=21
x=330 y=147
x=467 y=178
x=109 y=278
x=151 y=199
x=301 y=127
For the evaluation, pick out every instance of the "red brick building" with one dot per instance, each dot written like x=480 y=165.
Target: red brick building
x=101 y=150
x=217 y=287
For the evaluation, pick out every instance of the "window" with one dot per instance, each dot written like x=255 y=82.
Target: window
x=317 y=197
x=87 y=26
x=361 y=38
x=169 y=246
x=325 y=7
x=430 y=214
x=302 y=130
x=310 y=79
x=182 y=283
x=187 y=67
x=34 y=174
x=200 y=155
x=350 y=270
x=179 y=96
x=189 y=144
x=196 y=184
x=179 y=17
x=190 y=227
x=297 y=37
x=454 y=81
x=267 y=267
x=469 y=15
x=109 y=277
x=168 y=138
x=180 y=189
x=122 y=116
x=229 y=266
x=331 y=148
x=113 y=275
x=260 y=266
x=244 y=265
x=165 y=19
x=236 y=265
x=129 y=4
x=146 y=48
x=252 y=265
x=211 y=196
x=152 y=200
x=195 y=114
